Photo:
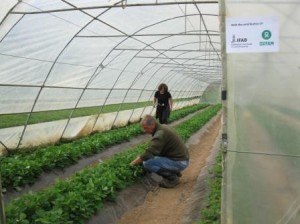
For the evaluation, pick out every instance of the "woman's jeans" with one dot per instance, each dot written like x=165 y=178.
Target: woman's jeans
x=158 y=162
x=163 y=113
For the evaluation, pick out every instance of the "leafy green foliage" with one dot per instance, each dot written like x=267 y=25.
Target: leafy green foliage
x=197 y=122
x=76 y=199
x=23 y=168
x=11 y=120
x=212 y=212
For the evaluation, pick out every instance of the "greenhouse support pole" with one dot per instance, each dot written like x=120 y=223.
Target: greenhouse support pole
x=224 y=90
x=224 y=97
x=2 y=214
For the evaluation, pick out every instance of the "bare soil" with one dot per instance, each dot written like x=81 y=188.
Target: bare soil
x=168 y=206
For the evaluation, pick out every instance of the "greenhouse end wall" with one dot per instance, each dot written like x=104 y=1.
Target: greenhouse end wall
x=262 y=166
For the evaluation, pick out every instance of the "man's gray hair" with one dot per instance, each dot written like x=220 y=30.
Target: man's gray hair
x=148 y=120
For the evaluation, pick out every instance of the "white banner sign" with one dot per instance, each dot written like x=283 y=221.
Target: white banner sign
x=253 y=34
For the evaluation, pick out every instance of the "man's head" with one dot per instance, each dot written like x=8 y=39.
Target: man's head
x=148 y=123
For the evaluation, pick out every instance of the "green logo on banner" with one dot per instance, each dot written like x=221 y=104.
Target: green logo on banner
x=266 y=34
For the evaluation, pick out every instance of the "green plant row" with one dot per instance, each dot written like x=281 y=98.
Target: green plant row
x=24 y=168
x=192 y=125
x=75 y=200
x=211 y=214
x=12 y=120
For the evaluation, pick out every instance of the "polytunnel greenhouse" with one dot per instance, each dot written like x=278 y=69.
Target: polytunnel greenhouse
x=78 y=76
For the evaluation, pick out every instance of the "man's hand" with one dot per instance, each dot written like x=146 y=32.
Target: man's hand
x=136 y=161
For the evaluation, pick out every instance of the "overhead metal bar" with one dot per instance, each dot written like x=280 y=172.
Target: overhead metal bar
x=64 y=87
x=210 y=71
x=79 y=88
x=146 y=45
x=154 y=35
x=165 y=50
x=210 y=75
x=217 y=71
x=201 y=70
x=206 y=70
x=190 y=59
x=184 y=65
x=49 y=61
x=115 y=6
x=193 y=70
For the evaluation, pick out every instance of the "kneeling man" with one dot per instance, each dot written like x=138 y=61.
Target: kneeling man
x=167 y=155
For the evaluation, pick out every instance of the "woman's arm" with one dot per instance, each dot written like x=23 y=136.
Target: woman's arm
x=154 y=101
x=171 y=103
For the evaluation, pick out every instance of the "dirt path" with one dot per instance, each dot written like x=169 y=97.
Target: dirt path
x=167 y=206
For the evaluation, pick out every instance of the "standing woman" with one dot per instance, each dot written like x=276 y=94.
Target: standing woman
x=163 y=102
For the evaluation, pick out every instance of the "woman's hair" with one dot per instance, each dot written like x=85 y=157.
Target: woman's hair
x=163 y=86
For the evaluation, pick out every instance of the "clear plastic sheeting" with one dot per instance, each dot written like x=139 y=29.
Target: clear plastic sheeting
x=88 y=50
x=262 y=167
x=68 y=55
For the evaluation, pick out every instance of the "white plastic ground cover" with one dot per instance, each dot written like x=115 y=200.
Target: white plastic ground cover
x=69 y=54
x=55 y=131
x=262 y=168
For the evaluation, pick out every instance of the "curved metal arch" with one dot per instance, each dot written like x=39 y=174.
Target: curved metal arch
x=188 y=52
x=46 y=78
x=54 y=64
x=167 y=58
x=181 y=53
x=9 y=12
x=172 y=70
x=161 y=79
x=201 y=16
x=137 y=77
x=95 y=73
x=194 y=85
x=11 y=27
x=177 y=55
x=122 y=5
x=146 y=45
x=168 y=76
x=132 y=36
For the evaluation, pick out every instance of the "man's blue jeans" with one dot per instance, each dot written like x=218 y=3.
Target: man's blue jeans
x=154 y=164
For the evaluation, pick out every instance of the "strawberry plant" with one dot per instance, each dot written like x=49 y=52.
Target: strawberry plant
x=24 y=168
x=77 y=198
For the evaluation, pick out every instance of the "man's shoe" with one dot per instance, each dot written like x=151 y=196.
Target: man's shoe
x=167 y=173
x=167 y=183
x=178 y=174
x=170 y=178
x=151 y=181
